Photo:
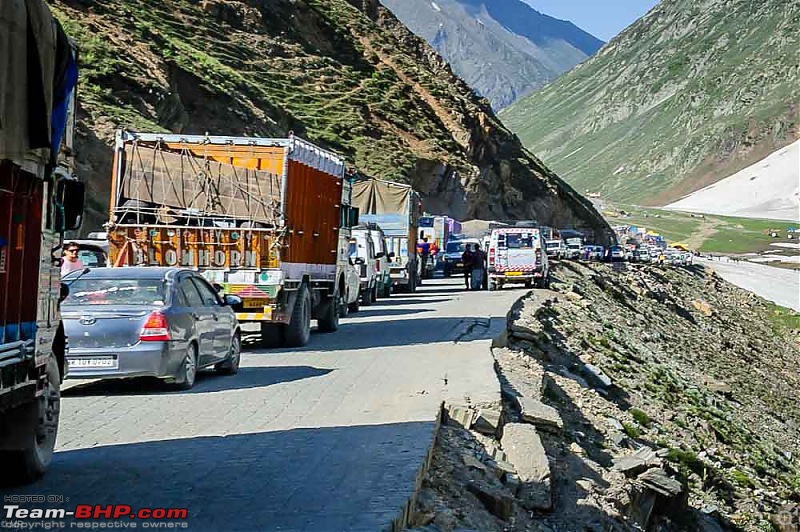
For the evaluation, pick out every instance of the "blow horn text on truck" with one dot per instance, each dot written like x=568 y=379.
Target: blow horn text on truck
x=266 y=219
x=40 y=198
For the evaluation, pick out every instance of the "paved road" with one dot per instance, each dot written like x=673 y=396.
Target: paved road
x=781 y=286
x=328 y=437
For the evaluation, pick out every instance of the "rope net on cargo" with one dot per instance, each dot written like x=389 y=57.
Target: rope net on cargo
x=189 y=187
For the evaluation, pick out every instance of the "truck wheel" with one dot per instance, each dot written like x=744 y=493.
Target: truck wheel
x=299 y=329
x=272 y=334
x=329 y=322
x=387 y=289
x=29 y=463
x=375 y=294
x=529 y=283
x=231 y=365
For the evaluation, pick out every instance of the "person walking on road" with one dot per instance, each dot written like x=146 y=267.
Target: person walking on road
x=466 y=260
x=477 y=267
x=424 y=249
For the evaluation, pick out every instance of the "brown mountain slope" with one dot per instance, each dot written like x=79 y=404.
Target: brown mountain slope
x=345 y=74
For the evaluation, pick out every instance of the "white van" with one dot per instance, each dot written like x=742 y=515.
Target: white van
x=517 y=255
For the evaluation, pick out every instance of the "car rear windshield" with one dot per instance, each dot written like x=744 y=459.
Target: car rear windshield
x=116 y=292
x=516 y=241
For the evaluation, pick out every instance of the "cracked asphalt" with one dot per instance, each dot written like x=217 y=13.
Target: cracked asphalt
x=329 y=437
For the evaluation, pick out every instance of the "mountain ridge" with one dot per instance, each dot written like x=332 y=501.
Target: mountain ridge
x=504 y=49
x=683 y=97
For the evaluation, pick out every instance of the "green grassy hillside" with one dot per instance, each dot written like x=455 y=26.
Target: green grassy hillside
x=687 y=95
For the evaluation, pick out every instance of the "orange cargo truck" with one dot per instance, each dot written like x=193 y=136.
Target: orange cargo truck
x=265 y=219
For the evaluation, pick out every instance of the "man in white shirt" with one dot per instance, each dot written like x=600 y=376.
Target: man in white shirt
x=70 y=262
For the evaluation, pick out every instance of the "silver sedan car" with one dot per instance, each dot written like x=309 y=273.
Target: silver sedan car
x=157 y=322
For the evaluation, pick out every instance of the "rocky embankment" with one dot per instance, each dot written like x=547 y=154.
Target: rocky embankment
x=635 y=398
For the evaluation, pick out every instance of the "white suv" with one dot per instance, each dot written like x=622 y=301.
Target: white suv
x=362 y=253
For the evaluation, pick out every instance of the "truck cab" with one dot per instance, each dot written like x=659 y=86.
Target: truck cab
x=517 y=255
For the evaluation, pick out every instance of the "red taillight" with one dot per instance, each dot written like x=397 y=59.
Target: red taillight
x=491 y=256
x=155 y=328
x=378 y=265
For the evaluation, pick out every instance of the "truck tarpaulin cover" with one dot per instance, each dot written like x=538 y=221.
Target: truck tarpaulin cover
x=189 y=180
x=39 y=73
x=373 y=196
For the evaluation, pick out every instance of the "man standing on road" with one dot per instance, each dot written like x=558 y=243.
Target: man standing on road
x=70 y=262
x=466 y=260
x=477 y=267
x=425 y=252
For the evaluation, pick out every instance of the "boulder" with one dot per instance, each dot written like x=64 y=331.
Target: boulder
x=540 y=414
x=525 y=452
x=638 y=462
x=460 y=416
x=496 y=501
x=488 y=421
x=596 y=377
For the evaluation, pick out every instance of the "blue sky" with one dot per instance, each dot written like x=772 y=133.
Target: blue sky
x=602 y=18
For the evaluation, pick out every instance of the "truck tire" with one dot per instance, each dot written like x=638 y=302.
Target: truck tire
x=30 y=463
x=298 y=331
x=375 y=293
x=387 y=289
x=272 y=334
x=329 y=321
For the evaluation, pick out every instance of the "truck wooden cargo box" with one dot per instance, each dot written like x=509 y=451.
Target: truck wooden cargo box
x=266 y=219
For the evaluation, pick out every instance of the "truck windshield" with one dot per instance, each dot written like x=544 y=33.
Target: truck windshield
x=426 y=221
x=116 y=292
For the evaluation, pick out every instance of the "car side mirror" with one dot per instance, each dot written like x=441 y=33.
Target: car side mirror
x=231 y=300
x=360 y=260
x=391 y=255
x=380 y=255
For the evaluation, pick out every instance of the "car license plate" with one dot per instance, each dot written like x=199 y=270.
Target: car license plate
x=254 y=303
x=93 y=362
x=513 y=274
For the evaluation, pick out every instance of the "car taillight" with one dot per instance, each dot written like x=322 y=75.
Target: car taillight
x=538 y=255
x=491 y=256
x=155 y=328
x=378 y=265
